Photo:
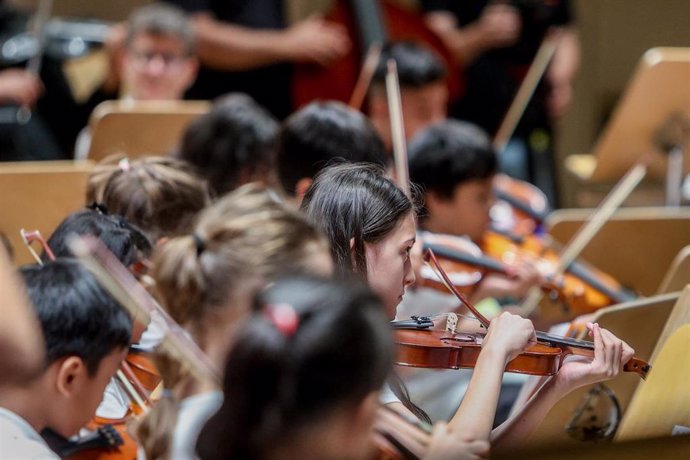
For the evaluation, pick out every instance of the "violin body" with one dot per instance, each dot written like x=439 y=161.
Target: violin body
x=582 y=288
x=451 y=350
x=127 y=450
x=359 y=18
x=144 y=369
x=446 y=350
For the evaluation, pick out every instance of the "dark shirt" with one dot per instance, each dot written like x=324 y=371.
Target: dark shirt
x=270 y=85
x=494 y=77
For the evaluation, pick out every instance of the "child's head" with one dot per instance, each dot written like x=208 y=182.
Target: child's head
x=159 y=60
x=307 y=368
x=370 y=224
x=86 y=336
x=319 y=134
x=159 y=195
x=233 y=144
x=245 y=238
x=454 y=163
x=423 y=89
x=124 y=240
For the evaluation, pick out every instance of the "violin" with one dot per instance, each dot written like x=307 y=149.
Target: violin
x=448 y=349
x=419 y=345
x=466 y=265
x=583 y=288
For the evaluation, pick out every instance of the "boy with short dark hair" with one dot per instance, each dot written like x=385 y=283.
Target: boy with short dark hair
x=318 y=135
x=86 y=336
x=455 y=165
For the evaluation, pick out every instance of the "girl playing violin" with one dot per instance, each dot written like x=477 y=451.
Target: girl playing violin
x=206 y=282
x=371 y=225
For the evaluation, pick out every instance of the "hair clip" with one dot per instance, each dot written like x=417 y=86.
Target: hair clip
x=124 y=165
x=284 y=318
x=98 y=207
x=199 y=243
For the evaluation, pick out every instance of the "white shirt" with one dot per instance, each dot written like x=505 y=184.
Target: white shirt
x=19 y=441
x=195 y=411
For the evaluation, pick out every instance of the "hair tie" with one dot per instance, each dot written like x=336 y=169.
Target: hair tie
x=98 y=207
x=124 y=165
x=284 y=318
x=199 y=243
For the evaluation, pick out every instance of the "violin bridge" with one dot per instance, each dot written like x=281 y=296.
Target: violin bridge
x=452 y=323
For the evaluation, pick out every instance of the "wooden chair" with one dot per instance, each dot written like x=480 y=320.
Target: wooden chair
x=38 y=196
x=140 y=128
x=678 y=274
x=664 y=400
x=636 y=246
x=640 y=324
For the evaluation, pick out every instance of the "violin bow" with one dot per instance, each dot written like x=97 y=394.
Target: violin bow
x=529 y=84
x=28 y=237
x=588 y=231
x=366 y=74
x=40 y=19
x=430 y=259
x=121 y=284
x=397 y=127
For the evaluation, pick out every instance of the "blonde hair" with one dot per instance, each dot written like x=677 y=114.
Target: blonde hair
x=246 y=235
x=159 y=195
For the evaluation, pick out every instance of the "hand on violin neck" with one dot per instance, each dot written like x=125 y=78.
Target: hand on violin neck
x=509 y=335
x=610 y=355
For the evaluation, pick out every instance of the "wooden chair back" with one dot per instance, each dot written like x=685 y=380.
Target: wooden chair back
x=636 y=246
x=139 y=128
x=38 y=196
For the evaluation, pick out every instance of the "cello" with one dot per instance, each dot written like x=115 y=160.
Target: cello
x=369 y=23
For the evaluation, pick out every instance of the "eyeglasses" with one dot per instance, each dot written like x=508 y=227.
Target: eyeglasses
x=170 y=60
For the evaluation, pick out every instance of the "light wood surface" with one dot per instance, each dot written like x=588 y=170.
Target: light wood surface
x=678 y=274
x=140 y=128
x=658 y=88
x=636 y=246
x=664 y=400
x=38 y=196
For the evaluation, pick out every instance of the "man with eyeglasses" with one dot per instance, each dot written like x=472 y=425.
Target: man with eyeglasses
x=157 y=61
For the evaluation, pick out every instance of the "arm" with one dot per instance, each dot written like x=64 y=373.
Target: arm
x=498 y=26
x=507 y=336
x=228 y=46
x=564 y=66
x=18 y=86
